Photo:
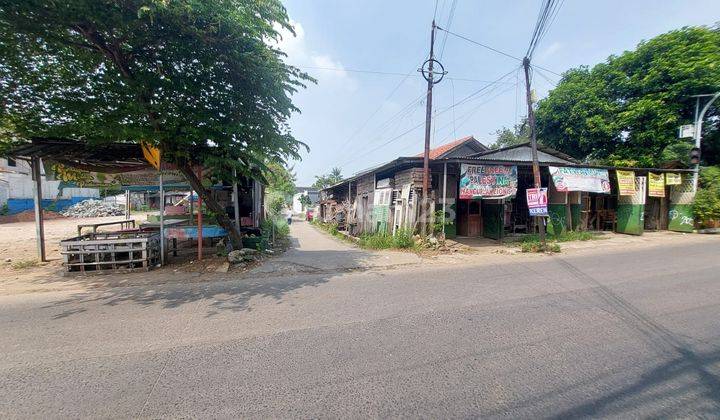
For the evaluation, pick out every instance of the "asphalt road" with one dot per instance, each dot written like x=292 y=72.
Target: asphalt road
x=633 y=334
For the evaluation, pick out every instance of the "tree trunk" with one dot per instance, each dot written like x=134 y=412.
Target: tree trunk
x=213 y=205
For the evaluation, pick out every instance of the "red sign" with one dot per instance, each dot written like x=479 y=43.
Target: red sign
x=537 y=201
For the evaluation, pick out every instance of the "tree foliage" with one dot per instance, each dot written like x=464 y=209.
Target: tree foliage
x=628 y=108
x=281 y=180
x=326 y=180
x=505 y=137
x=197 y=78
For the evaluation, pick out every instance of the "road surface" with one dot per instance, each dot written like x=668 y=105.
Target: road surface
x=618 y=334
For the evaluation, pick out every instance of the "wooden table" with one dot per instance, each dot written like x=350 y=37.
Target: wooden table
x=124 y=224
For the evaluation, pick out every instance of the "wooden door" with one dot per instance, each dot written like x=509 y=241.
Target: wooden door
x=462 y=224
x=474 y=219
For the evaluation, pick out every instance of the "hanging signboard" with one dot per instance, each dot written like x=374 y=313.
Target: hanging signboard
x=142 y=177
x=656 y=185
x=487 y=181
x=673 y=179
x=537 y=201
x=580 y=179
x=626 y=182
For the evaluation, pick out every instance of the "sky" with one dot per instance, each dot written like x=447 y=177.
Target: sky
x=368 y=104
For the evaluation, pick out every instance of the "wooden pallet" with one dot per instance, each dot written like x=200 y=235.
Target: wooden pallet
x=111 y=251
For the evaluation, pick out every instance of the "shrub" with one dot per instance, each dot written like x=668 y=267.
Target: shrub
x=403 y=238
x=706 y=207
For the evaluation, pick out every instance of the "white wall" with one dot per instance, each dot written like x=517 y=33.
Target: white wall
x=19 y=184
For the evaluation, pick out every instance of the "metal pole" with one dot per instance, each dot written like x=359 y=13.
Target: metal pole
x=428 y=120
x=162 y=220
x=698 y=132
x=444 y=196
x=533 y=144
x=200 y=218
x=127 y=204
x=37 y=198
x=237 y=201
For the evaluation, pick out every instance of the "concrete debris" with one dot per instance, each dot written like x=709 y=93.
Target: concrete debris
x=93 y=208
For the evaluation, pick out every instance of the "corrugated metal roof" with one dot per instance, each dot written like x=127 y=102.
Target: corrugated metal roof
x=520 y=154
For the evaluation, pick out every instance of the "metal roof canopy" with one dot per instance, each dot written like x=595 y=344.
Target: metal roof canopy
x=108 y=158
x=111 y=158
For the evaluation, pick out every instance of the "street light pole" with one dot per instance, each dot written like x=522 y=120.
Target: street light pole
x=698 y=131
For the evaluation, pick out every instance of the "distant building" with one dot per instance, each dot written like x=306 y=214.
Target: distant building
x=312 y=193
x=16 y=189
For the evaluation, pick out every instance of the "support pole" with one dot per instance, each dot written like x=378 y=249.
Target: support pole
x=426 y=153
x=237 y=201
x=444 y=196
x=127 y=204
x=162 y=220
x=200 y=219
x=37 y=198
x=533 y=145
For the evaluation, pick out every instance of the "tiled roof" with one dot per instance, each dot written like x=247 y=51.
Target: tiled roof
x=442 y=149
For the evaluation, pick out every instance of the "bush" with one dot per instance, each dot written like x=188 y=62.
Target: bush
x=706 y=207
x=403 y=239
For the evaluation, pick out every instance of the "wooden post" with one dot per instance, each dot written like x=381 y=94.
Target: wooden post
x=444 y=196
x=37 y=198
x=127 y=204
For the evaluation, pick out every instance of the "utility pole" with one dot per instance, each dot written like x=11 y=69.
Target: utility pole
x=533 y=145
x=429 y=74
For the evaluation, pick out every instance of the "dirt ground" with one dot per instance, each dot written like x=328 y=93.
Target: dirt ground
x=20 y=272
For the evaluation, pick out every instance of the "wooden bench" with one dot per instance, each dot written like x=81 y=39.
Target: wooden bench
x=124 y=224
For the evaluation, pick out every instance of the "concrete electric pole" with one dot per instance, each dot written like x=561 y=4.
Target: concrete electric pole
x=533 y=145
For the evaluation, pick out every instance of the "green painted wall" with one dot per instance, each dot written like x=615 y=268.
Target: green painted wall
x=451 y=229
x=557 y=220
x=492 y=216
x=380 y=217
x=680 y=218
x=630 y=218
x=576 y=211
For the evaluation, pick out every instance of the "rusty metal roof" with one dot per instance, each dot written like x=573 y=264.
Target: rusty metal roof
x=108 y=158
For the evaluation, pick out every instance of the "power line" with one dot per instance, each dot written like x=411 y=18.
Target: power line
x=387 y=73
x=462 y=101
x=451 y=15
x=472 y=41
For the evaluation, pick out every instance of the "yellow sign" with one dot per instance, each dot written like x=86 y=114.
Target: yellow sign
x=626 y=182
x=152 y=154
x=673 y=179
x=656 y=187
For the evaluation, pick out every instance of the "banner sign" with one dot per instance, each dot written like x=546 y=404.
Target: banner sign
x=656 y=185
x=487 y=181
x=626 y=182
x=673 y=179
x=142 y=177
x=580 y=179
x=537 y=201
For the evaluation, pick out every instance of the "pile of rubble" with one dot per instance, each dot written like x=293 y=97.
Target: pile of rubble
x=93 y=208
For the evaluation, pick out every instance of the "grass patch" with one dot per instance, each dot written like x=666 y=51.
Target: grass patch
x=402 y=239
x=563 y=237
x=23 y=264
x=531 y=243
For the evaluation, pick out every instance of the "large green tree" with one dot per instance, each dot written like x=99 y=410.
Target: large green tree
x=627 y=110
x=200 y=79
x=326 y=180
x=505 y=137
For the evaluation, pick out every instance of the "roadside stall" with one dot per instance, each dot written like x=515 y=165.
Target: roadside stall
x=126 y=166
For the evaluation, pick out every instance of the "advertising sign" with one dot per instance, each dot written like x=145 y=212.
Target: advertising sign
x=580 y=179
x=656 y=185
x=626 y=182
x=487 y=181
x=673 y=179
x=537 y=201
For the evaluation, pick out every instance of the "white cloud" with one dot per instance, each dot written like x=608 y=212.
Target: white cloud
x=550 y=51
x=329 y=72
